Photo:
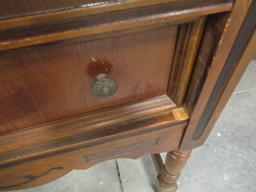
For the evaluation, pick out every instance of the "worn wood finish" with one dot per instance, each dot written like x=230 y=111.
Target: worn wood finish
x=110 y=22
x=193 y=136
x=233 y=59
x=28 y=98
x=212 y=34
x=56 y=148
x=51 y=51
x=186 y=51
x=229 y=88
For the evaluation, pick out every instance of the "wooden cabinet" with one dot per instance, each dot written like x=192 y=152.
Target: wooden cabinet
x=84 y=81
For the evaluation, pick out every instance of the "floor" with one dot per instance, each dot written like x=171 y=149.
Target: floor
x=226 y=163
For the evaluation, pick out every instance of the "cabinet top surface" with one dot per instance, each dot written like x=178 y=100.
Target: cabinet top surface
x=16 y=8
x=44 y=21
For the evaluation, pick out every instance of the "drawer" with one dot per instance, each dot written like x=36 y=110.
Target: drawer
x=44 y=84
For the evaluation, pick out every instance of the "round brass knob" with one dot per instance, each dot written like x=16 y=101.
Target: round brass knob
x=104 y=85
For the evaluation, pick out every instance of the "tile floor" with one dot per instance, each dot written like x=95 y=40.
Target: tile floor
x=226 y=163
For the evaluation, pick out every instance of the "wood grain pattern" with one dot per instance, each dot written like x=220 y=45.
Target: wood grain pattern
x=160 y=15
x=53 y=83
x=56 y=148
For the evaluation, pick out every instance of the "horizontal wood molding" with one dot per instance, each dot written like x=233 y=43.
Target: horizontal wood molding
x=49 y=7
x=152 y=126
x=64 y=10
x=56 y=11
x=171 y=13
x=77 y=132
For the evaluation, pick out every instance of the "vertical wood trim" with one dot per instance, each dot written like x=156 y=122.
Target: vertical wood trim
x=237 y=33
x=180 y=49
x=237 y=51
x=211 y=37
x=189 y=38
x=239 y=71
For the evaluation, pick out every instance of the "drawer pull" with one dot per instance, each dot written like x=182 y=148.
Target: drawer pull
x=104 y=85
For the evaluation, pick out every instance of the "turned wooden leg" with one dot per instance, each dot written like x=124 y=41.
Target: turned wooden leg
x=175 y=162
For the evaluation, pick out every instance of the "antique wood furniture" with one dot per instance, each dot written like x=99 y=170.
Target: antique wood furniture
x=84 y=81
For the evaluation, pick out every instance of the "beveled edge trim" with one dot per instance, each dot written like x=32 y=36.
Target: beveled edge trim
x=184 y=14
x=67 y=13
x=92 y=129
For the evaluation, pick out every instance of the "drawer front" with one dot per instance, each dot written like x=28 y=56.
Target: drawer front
x=51 y=83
